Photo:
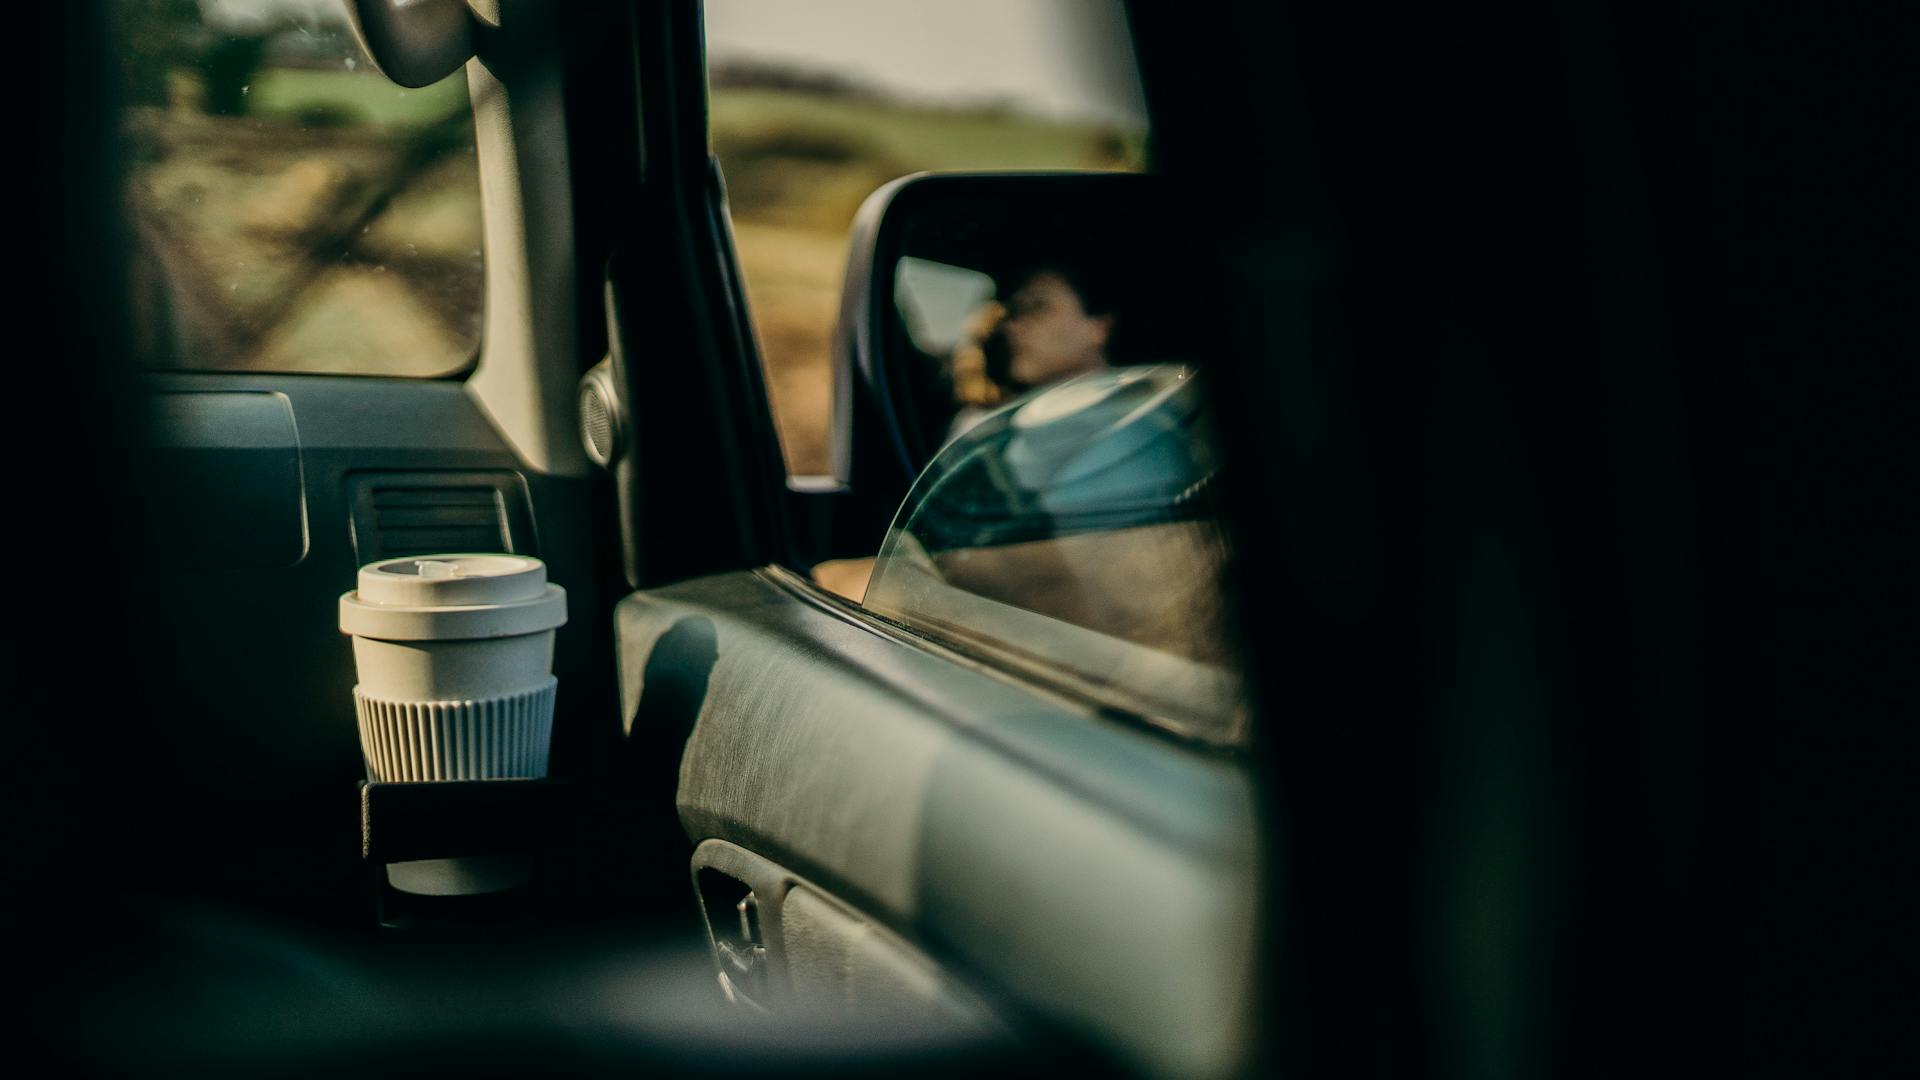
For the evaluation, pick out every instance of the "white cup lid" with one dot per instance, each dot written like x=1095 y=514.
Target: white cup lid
x=459 y=595
x=452 y=580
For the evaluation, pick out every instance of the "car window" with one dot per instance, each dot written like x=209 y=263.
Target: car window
x=1072 y=532
x=815 y=105
x=294 y=210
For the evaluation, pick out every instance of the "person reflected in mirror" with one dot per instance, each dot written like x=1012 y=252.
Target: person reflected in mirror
x=1057 y=322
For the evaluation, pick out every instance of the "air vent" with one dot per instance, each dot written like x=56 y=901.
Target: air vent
x=422 y=513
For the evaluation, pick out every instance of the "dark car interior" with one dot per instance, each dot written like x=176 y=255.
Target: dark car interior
x=1561 y=360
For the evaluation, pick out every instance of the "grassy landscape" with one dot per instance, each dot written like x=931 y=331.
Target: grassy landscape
x=798 y=165
x=333 y=225
x=364 y=98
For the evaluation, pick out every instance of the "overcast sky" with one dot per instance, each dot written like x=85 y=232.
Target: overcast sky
x=1057 y=57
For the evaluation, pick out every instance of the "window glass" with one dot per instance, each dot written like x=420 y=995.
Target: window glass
x=1073 y=532
x=814 y=105
x=294 y=210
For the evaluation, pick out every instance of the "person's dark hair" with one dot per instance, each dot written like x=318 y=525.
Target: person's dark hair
x=1094 y=287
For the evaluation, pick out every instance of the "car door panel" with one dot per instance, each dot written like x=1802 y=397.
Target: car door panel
x=1012 y=833
x=784 y=942
x=228 y=461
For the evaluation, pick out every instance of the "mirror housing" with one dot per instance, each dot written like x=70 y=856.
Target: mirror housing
x=414 y=42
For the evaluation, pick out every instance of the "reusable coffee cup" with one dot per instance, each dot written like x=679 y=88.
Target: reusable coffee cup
x=455 y=661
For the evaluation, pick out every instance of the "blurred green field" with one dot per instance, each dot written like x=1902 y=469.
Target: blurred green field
x=363 y=95
x=332 y=226
x=797 y=167
x=930 y=137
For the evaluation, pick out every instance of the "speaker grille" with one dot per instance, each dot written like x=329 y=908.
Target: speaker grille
x=596 y=425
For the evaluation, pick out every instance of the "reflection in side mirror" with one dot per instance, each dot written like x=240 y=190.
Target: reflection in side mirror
x=966 y=291
x=936 y=301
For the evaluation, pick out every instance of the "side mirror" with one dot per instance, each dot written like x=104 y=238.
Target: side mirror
x=952 y=285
